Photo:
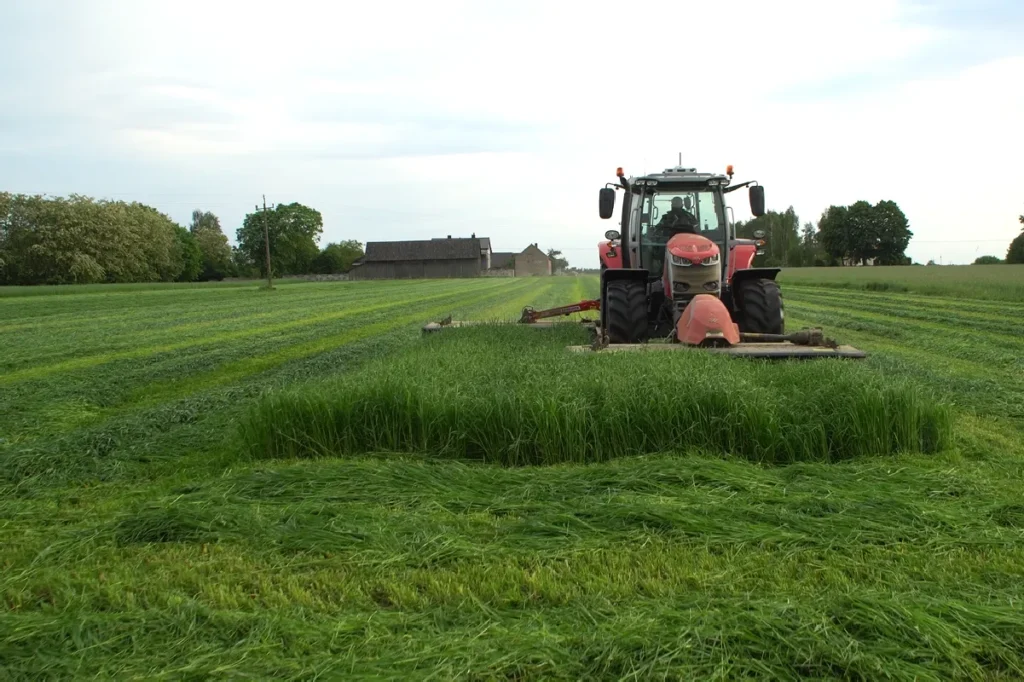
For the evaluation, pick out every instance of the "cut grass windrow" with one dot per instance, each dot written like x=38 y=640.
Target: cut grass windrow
x=223 y=337
x=369 y=568
x=516 y=397
x=995 y=283
x=144 y=421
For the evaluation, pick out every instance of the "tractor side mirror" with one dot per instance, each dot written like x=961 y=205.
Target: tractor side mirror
x=606 y=202
x=612 y=235
x=757 y=200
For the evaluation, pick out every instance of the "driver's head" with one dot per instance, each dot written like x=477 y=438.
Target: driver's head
x=677 y=203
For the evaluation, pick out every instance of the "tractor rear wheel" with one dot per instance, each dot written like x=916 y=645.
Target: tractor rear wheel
x=626 y=311
x=761 y=310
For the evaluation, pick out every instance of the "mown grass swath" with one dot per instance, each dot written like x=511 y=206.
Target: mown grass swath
x=996 y=283
x=134 y=544
x=370 y=568
x=515 y=396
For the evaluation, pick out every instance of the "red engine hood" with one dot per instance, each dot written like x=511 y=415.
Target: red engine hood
x=692 y=246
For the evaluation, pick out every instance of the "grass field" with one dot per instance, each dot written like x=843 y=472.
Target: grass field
x=167 y=511
x=991 y=282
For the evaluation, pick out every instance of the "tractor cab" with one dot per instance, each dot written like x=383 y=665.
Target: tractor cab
x=662 y=205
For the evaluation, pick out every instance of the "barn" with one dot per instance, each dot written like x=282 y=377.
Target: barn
x=423 y=259
x=532 y=262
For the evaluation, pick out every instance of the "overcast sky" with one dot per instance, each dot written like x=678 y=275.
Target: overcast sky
x=406 y=120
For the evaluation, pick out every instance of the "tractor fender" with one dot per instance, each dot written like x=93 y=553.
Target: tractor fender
x=741 y=255
x=613 y=274
x=753 y=273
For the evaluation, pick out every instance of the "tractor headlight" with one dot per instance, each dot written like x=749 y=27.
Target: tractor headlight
x=711 y=260
x=683 y=262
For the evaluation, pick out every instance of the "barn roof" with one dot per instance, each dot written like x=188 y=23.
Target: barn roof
x=429 y=249
x=534 y=249
x=485 y=242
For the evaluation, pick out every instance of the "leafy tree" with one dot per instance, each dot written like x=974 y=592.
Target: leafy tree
x=337 y=257
x=861 y=232
x=811 y=252
x=241 y=265
x=557 y=262
x=834 y=234
x=988 y=260
x=192 y=258
x=1015 y=254
x=294 y=230
x=213 y=244
x=56 y=240
x=891 y=234
x=783 y=246
x=204 y=220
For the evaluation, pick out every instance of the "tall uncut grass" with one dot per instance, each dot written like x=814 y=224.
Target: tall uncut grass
x=516 y=396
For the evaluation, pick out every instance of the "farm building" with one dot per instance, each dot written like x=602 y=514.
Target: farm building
x=445 y=257
x=425 y=259
x=532 y=262
x=503 y=260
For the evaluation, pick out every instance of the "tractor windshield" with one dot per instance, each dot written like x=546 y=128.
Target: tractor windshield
x=669 y=212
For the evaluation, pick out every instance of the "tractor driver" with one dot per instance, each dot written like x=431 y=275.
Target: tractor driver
x=677 y=220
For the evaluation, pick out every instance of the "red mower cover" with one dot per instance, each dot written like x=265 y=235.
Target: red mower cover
x=706 y=322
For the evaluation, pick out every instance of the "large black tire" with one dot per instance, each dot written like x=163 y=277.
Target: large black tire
x=761 y=309
x=626 y=311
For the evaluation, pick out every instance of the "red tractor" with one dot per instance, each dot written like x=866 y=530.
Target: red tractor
x=677 y=270
x=677 y=243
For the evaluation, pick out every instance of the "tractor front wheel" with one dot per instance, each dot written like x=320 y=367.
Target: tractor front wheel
x=761 y=310
x=626 y=311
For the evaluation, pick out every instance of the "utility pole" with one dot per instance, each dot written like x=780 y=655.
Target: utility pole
x=266 y=242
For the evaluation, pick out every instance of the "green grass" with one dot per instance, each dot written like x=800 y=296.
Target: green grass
x=80 y=289
x=139 y=539
x=991 y=282
x=406 y=568
x=515 y=396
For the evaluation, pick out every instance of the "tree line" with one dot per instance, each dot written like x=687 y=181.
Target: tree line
x=1015 y=254
x=80 y=240
x=858 y=234
x=845 y=235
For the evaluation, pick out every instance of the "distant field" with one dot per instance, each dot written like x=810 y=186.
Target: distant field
x=993 y=282
x=79 y=289
x=218 y=481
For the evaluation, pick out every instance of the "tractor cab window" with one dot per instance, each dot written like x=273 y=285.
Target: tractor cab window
x=668 y=213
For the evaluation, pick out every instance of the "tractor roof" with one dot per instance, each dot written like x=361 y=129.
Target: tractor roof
x=680 y=176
